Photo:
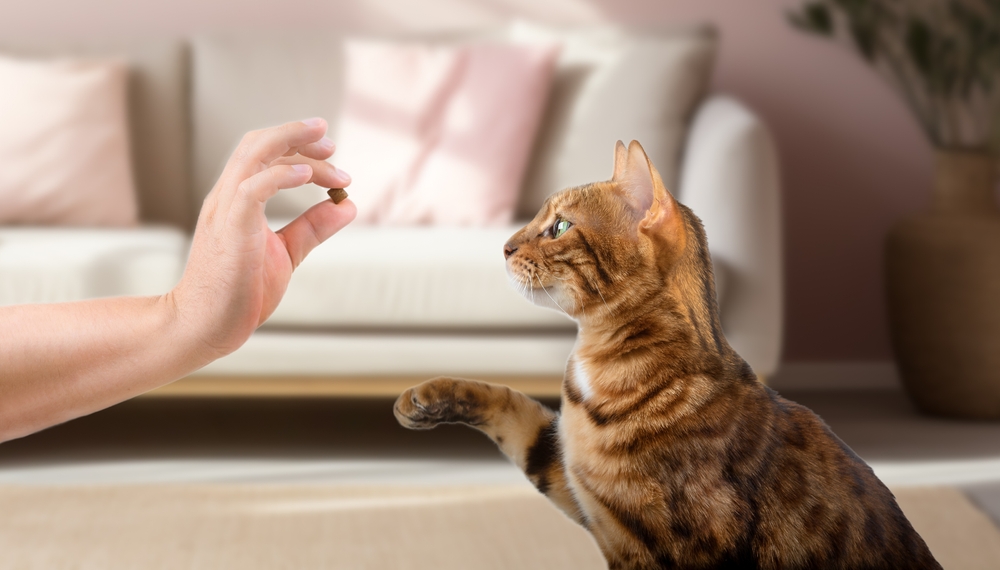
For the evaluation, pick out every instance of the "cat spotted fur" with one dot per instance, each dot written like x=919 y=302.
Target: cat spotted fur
x=667 y=448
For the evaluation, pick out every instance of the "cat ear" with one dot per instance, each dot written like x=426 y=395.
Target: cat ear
x=638 y=179
x=621 y=159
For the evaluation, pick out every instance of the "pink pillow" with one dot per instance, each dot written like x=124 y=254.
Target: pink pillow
x=440 y=135
x=64 y=153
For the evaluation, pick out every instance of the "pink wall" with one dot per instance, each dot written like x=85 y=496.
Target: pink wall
x=853 y=160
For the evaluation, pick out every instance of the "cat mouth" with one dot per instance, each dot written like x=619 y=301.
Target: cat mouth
x=531 y=288
x=520 y=283
x=525 y=280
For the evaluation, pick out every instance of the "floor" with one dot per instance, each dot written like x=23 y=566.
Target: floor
x=152 y=440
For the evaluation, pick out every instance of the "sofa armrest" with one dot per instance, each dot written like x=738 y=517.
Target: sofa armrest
x=730 y=179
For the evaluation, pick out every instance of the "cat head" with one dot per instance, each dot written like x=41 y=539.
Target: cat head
x=608 y=245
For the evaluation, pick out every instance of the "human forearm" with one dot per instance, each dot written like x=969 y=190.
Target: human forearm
x=62 y=361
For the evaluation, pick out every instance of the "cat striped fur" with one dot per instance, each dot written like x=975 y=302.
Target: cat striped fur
x=666 y=447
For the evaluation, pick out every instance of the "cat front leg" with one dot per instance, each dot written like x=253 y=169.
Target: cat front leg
x=524 y=429
x=510 y=418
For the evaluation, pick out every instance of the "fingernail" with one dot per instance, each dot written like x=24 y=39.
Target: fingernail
x=326 y=143
x=302 y=168
x=343 y=175
x=313 y=122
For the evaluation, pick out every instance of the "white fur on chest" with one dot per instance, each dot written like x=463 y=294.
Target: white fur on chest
x=582 y=379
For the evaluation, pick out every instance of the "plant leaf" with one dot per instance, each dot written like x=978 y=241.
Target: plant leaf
x=918 y=45
x=865 y=38
x=814 y=18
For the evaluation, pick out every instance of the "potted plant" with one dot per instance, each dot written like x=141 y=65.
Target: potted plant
x=942 y=267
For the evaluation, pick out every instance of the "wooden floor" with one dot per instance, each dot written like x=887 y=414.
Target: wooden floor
x=331 y=386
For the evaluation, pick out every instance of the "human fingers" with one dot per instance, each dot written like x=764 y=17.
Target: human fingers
x=256 y=151
x=261 y=147
x=324 y=173
x=320 y=150
x=314 y=227
x=247 y=206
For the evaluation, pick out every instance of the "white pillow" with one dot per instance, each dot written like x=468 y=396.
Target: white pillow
x=614 y=85
x=64 y=147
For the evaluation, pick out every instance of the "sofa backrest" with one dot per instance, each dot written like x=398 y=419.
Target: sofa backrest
x=158 y=117
x=609 y=85
x=240 y=83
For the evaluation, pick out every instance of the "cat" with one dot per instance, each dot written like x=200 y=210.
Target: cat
x=667 y=448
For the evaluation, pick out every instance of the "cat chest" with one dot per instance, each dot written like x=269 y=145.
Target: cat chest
x=580 y=379
x=585 y=443
x=632 y=498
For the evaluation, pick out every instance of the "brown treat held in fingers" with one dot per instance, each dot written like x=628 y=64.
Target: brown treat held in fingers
x=337 y=194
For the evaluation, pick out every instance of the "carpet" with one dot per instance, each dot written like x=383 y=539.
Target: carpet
x=358 y=527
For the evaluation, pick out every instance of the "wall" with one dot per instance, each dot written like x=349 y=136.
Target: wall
x=853 y=160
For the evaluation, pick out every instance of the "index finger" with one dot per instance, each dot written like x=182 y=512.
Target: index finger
x=259 y=148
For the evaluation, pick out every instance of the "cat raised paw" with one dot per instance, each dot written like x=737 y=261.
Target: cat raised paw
x=440 y=401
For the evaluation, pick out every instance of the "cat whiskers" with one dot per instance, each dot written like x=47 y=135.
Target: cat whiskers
x=596 y=288
x=602 y=297
x=532 y=274
x=523 y=286
x=517 y=283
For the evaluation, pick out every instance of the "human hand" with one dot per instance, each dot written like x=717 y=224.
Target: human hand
x=239 y=269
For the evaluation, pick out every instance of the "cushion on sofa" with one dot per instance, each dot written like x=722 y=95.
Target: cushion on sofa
x=410 y=277
x=64 y=149
x=440 y=134
x=50 y=265
x=614 y=85
x=241 y=82
x=158 y=116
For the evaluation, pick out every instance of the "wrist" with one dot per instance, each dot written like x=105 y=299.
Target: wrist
x=186 y=334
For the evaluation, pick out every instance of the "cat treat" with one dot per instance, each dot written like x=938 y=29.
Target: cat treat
x=337 y=194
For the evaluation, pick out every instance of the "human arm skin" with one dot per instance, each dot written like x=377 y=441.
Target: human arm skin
x=62 y=361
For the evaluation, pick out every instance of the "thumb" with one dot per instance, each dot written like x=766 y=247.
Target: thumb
x=314 y=227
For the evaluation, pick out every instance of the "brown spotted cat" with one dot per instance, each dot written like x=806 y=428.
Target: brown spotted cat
x=667 y=449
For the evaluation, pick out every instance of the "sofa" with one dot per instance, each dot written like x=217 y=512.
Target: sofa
x=377 y=307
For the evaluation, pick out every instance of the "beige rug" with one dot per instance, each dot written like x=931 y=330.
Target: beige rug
x=307 y=527
x=960 y=535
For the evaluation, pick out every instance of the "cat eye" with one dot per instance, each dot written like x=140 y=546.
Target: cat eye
x=560 y=227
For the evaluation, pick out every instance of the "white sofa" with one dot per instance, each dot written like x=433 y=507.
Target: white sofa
x=377 y=306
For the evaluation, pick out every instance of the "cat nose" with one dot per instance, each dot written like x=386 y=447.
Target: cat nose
x=508 y=250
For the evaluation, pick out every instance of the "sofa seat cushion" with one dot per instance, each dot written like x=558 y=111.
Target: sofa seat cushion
x=410 y=277
x=50 y=265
